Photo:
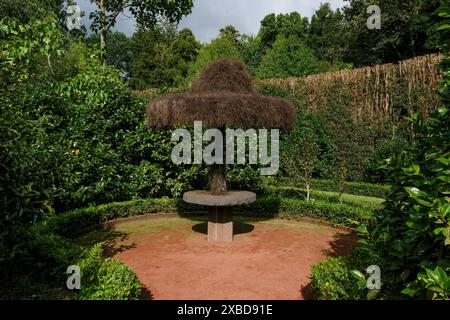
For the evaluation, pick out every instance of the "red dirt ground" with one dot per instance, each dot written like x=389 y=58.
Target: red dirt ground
x=267 y=259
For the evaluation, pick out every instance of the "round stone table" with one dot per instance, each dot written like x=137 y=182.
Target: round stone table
x=220 y=213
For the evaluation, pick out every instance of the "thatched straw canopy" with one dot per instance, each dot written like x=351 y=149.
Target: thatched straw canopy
x=222 y=96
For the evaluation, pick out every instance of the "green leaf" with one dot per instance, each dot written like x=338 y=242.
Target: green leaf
x=442 y=276
x=362 y=229
x=372 y=294
x=418 y=195
x=443 y=27
x=433 y=276
x=446 y=233
x=409 y=292
x=443 y=160
x=358 y=274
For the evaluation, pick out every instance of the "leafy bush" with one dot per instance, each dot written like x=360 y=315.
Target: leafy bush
x=412 y=234
x=288 y=57
x=106 y=279
x=333 y=279
x=244 y=178
x=47 y=254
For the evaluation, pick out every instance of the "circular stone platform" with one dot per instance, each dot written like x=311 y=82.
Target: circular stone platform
x=231 y=198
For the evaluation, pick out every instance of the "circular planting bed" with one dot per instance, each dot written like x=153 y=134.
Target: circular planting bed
x=268 y=259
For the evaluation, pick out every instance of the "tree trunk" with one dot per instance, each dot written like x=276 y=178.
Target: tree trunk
x=217 y=178
x=307 y=191
x=103 y=32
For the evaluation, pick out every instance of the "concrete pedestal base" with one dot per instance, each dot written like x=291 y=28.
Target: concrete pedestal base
x=220 y=224
x=220 y=212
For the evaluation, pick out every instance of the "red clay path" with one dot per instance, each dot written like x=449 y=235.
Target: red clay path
x=267 y=260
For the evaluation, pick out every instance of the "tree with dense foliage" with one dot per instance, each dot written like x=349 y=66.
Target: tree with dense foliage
x=161 y=57
x=289 y=57
x=231 y=33
x=119 y=51
x=147 y=13
x=406 y=30
x=184 y=50
x=282 y=24
x=219 y=48
x=325 y=34
x=252 y=52
x=30 y=9
x=150 y=53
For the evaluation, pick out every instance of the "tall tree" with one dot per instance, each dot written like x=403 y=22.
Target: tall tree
x=233 y=35
x=119 y=49
x=146 y=12
x=252 y=52
x=184 y=50
x=326 y=33
x=289 y=57
x=219 y=48
x=406 y=30
x=282 y=24
x=150 y=53
x=161 y=57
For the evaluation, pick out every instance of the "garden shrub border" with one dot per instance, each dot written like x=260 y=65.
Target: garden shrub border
x=371 y=203
x=74 y=222
x=355 y=188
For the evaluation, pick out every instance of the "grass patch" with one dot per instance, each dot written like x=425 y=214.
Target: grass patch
x=355 y=188
x=157 y=225
x=366 y=202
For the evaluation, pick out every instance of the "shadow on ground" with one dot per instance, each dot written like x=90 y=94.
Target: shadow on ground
x=238 y=227
x=307 y=292
x=146 y=293
x=342 y=244
x=111 y=239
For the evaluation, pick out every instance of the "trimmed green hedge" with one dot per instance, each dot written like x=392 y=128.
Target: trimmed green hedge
x=355 y=188
x=332 y=279
x=106 y=279
x=75 y=221
x=49 y=253
x=370 y=203
x=332 y=212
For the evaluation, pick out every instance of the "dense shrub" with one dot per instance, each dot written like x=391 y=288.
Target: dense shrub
x=411 y=235
x=288 y=57
x=333 y=279
x=47 y=254
x=106 y=279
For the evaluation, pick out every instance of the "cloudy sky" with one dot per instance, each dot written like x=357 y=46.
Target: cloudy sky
x=208 y=16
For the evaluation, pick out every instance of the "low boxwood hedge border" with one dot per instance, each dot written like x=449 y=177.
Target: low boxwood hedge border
x=356 y=188
x=73 y=222
x=371 y=203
